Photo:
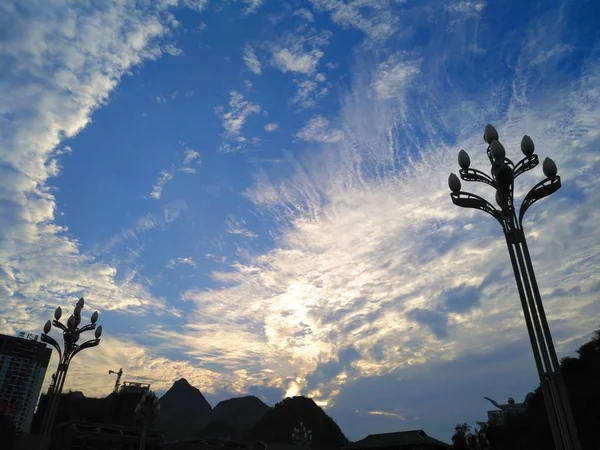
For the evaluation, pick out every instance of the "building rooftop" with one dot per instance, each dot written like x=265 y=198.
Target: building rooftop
x=398 y=439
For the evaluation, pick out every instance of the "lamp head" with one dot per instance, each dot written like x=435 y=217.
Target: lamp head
x=58 y=313
x=490 y=134
x=527 y=146
x=94 y=317
x=463 y=159
x=549 y=168
x=81 y=302
x=47 y=327
x=98 y=332
x=454 y=183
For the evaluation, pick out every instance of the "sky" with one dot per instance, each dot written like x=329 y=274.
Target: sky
x=253 y=194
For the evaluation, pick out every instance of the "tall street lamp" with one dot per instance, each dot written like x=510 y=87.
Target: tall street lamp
x=302 y=436
x=147 y=411
x=503 y=174
x=71 y=334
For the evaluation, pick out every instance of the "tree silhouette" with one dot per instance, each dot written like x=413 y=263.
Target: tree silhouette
x=530 y=429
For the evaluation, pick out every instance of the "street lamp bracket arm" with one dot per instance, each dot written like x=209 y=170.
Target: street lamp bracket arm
x=58 y=324
x=526 y=164
x=475 y=175
x=543 y=189
x=88 y=327
x=87 y=344
x=468 y=200
x=50 y=340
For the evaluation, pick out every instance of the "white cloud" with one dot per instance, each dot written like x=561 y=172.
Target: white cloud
x=309 y=92
x=270 y=127
x=238 y=227
x=60 y=62
x=191 y=155
x=197 y=5
x=556 y=51
x=184 y=261
x=252 y=6
x=147 y=222
x=295 y=60
x=164 y=177
x=251 y=60
x=317 y=130
x=304 y=14
x=234 y=120
x=466 y=8
x=393 y=75
x=171 y=96
x=375 y=18
x=368 y=245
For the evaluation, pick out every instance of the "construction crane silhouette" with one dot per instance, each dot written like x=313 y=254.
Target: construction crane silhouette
x=119 y=374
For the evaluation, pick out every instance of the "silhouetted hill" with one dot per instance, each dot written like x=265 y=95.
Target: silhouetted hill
x=278 y=423
x=183 y=409
x=233 y=418
x=115 y=408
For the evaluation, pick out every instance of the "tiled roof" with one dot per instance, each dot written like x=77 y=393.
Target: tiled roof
x=399 y=439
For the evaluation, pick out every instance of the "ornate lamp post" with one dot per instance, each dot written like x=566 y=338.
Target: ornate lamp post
x=71 y=334
x=302 y=436
x=147 y=411
x=503 y=174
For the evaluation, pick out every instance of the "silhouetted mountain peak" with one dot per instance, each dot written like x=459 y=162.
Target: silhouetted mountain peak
x=182 y=408
x=245 y=402
x=278 y=423
x=233 y=417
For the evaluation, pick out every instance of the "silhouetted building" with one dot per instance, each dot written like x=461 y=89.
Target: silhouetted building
x=23 y=364
x=76 y=435
x=214 y=444
x=498 y=416
x=133 y=387
x=403 y=440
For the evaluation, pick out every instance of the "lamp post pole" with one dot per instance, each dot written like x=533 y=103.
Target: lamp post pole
x=147 y=411
x=503 y=174
x=71 y=334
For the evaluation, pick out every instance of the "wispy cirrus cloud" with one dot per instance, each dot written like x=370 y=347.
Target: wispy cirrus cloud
x=234 y=119
x=394 y=74
x=309 y=92
x=369 y=249
x=375 y=18
x=296 y=60
x=317 y=129
x=251 y=60
x=184 y=261
x=238 y=227
x=299 y=53
x=157 y=188
x=305 y=14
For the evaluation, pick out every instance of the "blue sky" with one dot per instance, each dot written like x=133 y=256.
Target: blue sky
x=253 y=194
